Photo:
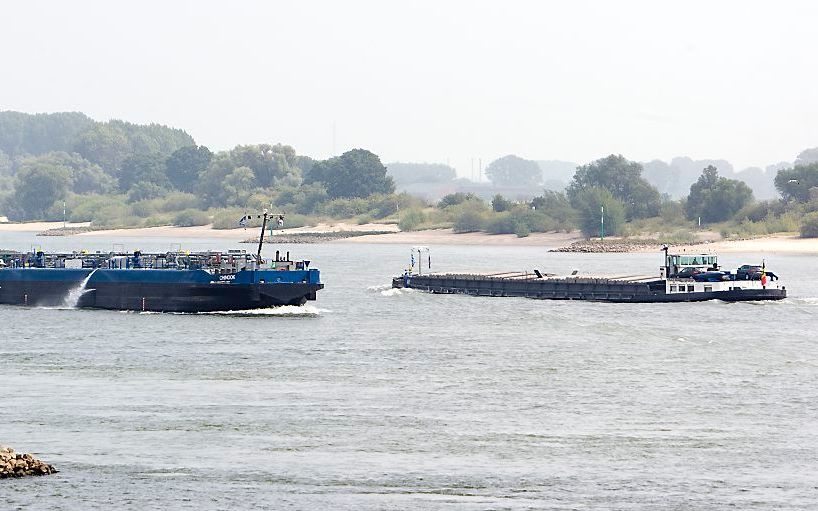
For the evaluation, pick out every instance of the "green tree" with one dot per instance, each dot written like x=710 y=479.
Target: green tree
x=143 y=169
x=623 y=179
x=152 y=138
x=795 y=183
x=238 y=186
x=185 y=164
x=500 y=203
x=469 y=220
x=715 y=198
x=110 y=144
x=269 y=163
x=557 y=206
x=356 y=173
x=301 y=199
x=512 y=170
x=85 y=177
x=809 y=225
x=107 y=146
x=34 y=134
x=5 y=164
x=456 y=198
x=145 y=190
x=590 y=203
x=807 y=156
x=37 y=185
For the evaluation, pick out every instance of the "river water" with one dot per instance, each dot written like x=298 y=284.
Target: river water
x=372 y=398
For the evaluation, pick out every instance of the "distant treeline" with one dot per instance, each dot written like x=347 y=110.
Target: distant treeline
x=127 y=169
x=117 y=173
x=672 y=179
x=618 y=191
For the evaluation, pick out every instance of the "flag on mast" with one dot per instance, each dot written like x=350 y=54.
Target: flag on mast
x=763 y=273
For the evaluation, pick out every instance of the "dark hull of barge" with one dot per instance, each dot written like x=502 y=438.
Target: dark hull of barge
x=137 y=295
x=574 y=288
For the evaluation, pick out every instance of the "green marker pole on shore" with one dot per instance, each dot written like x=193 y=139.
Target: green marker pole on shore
x=602 y=223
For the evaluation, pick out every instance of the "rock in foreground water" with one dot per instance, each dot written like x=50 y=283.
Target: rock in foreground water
x=20 y=465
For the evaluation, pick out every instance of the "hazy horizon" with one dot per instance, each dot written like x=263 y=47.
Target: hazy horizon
x=429 y=82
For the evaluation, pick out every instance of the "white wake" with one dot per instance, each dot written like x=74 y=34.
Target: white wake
x=72 y=299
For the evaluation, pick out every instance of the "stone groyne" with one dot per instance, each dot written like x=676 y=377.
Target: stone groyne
x=314 y=237
x=595 y=246
x=14 y=464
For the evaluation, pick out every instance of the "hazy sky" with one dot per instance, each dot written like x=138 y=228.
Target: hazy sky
x=432 y=81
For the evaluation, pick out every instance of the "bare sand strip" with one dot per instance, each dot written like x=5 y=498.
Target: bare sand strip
x=39 y=226
x=207 y=231
x=779 y=243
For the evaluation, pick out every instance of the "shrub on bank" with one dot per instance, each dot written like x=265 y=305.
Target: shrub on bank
x=115 y=216
x=344 y=208
x=522 y=230
x=519 y=220
x=191 y=217
x=411 y=220
x=82 y=208
x=809 y=225
x=177 y=201
x=469 y=221
x=228 y=218
x=158 y=220
x=292 y=220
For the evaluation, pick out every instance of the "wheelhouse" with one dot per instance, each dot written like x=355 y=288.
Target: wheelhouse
x=684 y=264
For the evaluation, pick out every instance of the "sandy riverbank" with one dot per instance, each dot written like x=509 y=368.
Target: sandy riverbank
x=36 y=227
x=206 y=231
x=202 y=231
x=779 y=243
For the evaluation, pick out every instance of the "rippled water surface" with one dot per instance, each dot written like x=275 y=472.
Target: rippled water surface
x=372 y=398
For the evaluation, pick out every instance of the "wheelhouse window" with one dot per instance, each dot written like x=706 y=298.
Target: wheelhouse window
x=693 y=260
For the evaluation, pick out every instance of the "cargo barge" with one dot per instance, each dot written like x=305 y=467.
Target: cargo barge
x=173 y=281
x=683 y=278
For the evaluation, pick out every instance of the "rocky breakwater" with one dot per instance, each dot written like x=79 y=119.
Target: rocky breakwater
x=14 y=464
x=65 y=231
x=314 y=237
x=596 y=246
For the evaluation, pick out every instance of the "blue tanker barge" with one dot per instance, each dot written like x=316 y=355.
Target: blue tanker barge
x=160 y=282
x=163 y=282
x=683 y=278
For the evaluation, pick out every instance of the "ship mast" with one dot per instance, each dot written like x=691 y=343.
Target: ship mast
x=261 y=238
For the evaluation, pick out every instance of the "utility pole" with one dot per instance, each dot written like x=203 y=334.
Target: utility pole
x=602 y=223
